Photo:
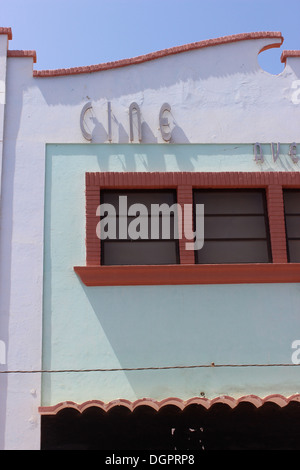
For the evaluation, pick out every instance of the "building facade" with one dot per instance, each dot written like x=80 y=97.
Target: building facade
x=127 y=329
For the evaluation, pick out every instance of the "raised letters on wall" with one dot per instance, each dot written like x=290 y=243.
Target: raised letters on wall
x=134 y=114
x=166 y=132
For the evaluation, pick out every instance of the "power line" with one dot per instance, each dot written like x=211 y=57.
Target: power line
x=128 y=369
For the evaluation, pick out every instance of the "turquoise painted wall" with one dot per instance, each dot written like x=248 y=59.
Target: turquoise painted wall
x=145 y=326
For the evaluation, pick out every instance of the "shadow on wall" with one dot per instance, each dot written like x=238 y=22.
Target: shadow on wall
x=166 y=326
x=7 y=203
x=99 y=134
x=163 y=73
x=208 y=81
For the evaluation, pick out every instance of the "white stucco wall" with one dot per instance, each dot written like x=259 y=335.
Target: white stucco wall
x=217 y=95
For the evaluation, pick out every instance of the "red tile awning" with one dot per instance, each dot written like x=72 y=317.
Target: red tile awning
x=232 y=402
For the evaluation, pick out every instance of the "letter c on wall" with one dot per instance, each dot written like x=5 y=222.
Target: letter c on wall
x=85 y=108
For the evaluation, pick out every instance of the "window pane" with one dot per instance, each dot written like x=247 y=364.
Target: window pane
x=139 y=252
x=293 y=226
x=237 y=251
x=140 y=227
x=234 y=227
x=231 y=201
x=146 y=197
x=139 y=242
x=292 y=223
x=294 y=251
x=291 y=201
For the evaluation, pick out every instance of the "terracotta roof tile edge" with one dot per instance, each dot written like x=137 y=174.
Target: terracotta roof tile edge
x=21 y=53
x=7 y=31
x=160 y=54
x=277 y=399
x=286 y=54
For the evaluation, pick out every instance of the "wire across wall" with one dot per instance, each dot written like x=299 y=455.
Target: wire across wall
x=150 y=368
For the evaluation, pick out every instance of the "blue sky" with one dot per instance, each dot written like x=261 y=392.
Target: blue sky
x=70 y=33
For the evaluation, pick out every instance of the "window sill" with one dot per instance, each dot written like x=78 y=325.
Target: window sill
x=183 y=274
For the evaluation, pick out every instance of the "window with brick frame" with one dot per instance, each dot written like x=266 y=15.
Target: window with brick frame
x=189 y=270
x=292 y=223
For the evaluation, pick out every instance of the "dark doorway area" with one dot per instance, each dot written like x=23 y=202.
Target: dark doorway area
x=245 y=427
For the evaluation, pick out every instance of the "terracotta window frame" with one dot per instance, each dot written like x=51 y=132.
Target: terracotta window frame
x=187 y=272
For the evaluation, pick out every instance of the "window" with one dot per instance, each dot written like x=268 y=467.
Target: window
x=244 y=229
x=137 y=239
x=235 y=226
x=292 y=223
